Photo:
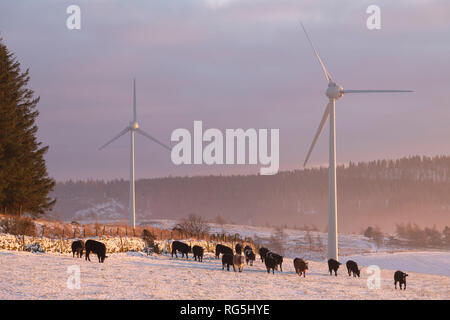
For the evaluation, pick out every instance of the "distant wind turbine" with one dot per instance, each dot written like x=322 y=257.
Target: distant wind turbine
x=334 y=92
x=132 y=128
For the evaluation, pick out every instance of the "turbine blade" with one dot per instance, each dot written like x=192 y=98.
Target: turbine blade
x=134 y=100
x=319 y=130
x=152 y=138
x=373 y=91
x=327 y=75
x=116 y=137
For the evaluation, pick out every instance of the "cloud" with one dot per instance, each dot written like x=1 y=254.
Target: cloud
x=231 y=64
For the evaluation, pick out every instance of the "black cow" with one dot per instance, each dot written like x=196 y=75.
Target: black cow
x=198 y=253
x=238 y=248
x=352 y=266
x=182 y=247
x=220 y=248
x=249 y=255
x=333 y=265
x=300 y=266
x=78 y=248
x=227 y=259
x=270 y=264
x=277 y=258
x=96 y=247
x=400 y=277
x=262 y=252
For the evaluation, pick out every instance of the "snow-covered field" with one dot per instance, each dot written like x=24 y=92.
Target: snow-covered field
x=427 y=262
x=133 y=275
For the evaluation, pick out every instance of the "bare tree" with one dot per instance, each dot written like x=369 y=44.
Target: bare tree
x=193 y=224
x=277 y=240
x=319 y=243
x=220 y=220
x=309 y=240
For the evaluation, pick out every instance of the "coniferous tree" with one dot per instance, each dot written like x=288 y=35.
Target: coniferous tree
x=24 y=181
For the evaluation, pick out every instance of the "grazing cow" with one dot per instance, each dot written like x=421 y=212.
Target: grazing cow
x=262 y=252
x=220 y=248
x=352 y=266
x=270 y=264
x=333 y=265
x=249 y=255
x=181 y=247
x=300 y=266
x=238 y=248
x=227 y=259
x=96 y=247
x=78 y=247
x=198 y=253
x=278 y=259
x=400 y=277
x=238 y=262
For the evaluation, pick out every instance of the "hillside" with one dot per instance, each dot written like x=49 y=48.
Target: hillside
x=382 y=192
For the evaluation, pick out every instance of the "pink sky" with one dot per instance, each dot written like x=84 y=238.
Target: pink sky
x=231 y=64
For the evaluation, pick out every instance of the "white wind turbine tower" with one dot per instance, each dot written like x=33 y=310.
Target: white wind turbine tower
x=132 y=128
x=334 y=92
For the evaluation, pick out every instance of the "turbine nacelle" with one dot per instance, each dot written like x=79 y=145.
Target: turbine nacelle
x=334 y=91
x=134 y=125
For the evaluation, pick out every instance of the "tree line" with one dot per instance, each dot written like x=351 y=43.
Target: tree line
x=408 y=189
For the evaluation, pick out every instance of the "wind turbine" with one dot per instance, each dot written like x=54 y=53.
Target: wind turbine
x=132 y=128
x=333 y=92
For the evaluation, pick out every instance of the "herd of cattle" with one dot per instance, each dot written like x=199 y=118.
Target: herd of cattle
x=237 y=260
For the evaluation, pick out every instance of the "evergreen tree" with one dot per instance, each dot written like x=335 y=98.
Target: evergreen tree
x=24 y=182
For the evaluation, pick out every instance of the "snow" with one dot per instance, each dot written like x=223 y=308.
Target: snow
x=133 y=275
x=426 y=262
x=128 y=273
x=110 y=210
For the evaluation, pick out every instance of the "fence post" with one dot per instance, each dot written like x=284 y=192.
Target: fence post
x=61 y=244
x=84 y=232
x=74 y=232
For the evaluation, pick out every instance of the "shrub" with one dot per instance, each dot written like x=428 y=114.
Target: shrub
x=18 y=226
x=192 y=225
x=375 y=234
x=34 y=248
x=148 y=237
